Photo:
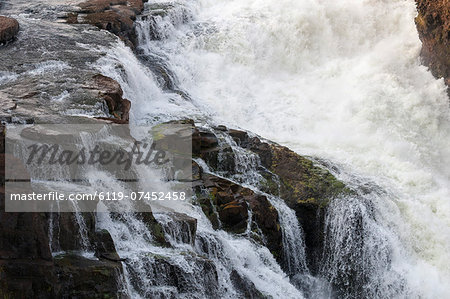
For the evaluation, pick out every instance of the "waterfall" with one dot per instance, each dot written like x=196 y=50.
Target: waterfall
x=337 y=80
x=340 y=82
x=235 y=259
x=293 y=243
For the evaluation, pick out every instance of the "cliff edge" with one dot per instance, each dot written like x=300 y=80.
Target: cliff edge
x=433 y=25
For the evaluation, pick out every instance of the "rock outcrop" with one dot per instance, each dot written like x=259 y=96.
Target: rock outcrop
x=433 y=25
x=27 y=266
x=9 y=28
x=28 y=269
x=116 y=16
x=80 y=277
x=168 y=279
x=305 y=187
x=228 y=204
x=111 y=92
x=178 y=227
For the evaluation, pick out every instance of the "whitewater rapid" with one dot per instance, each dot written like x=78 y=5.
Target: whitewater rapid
x=337 y=80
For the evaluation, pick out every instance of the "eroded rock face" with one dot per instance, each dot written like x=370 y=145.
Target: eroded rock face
x=228 y=204
x=110 y=91
x=179 y=227
x=116 y=16
x=168 y=279
x=9 y=28
x=27 y=267
x=66 y=230
x=305 y=187
x=433 y=24
x=80 y=277
x=25 y=257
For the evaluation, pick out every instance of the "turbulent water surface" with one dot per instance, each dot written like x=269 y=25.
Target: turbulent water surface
x=337 y=80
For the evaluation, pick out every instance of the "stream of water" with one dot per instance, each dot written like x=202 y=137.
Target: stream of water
x=337 y=80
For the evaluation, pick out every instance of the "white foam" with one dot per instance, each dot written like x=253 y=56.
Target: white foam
x=337 y=79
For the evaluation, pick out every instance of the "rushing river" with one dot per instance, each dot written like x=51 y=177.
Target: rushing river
x=337 y=80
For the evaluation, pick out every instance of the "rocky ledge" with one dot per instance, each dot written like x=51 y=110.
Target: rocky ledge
x=304 y=186
x=433 y=25
x=9 y=28
x=116 y=16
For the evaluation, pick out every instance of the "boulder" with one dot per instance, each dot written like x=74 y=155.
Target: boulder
x=28 y=278
x=153 y=226
x=305 y=187
x=26 y=266
x=116 y=16
x=9 y=28
x=240 y=137
x=244 y=286
x=205 y=144
x=92 y=6
x=234 y=215
x=111 y=92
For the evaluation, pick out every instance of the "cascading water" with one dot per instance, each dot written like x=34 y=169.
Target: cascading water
x=340 y=80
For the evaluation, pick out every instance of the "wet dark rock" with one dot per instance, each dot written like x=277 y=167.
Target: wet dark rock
x=227 y=205
x=180 y=227
x=224 y=197
x=23 y=235
x=116 y=16
x=433 y=25
x=50 y=86
x=104 y=246
x=246 y=288
x=177 y=282
x=196 y=172
x=234 y=216
x=202 y=141
x=240 y=137
x=154 y=226
x=92 y=6
x=9 y=28
x=26 y=267
x=111 y=92
x=305 y=187
x=205 y=144
x=28 y=278
x=80 y=277
x=66 y=230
